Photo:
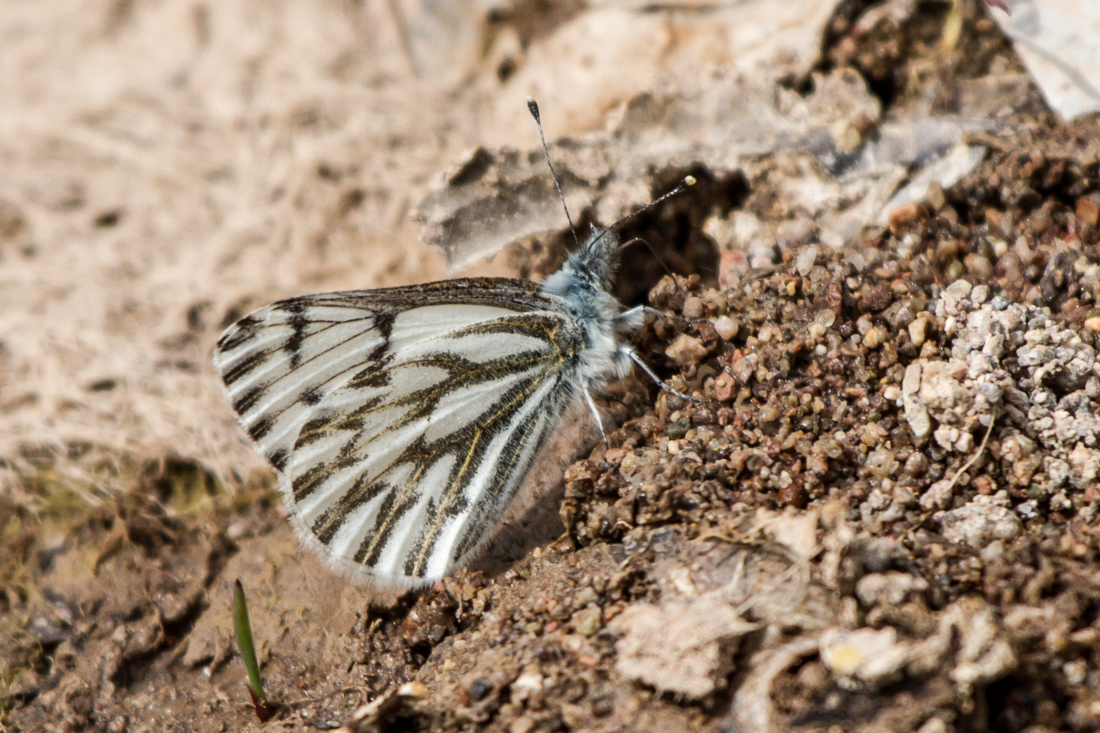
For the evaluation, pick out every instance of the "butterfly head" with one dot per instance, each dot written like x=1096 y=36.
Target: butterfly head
x=587 y=274
x=597 y=259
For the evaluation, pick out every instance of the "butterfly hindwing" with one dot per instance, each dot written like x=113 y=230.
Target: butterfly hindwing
x=278 y=362
x=402 y=421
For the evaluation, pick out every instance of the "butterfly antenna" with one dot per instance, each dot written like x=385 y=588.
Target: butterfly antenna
x=651 y=251
x=533 y=107
x=684 y=185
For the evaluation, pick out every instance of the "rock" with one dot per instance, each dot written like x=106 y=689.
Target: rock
x=978 y=265
x=587 y=621
x=174 y=606
x=686 y=350
x=970 y=640
x=1058 y=471
x=528 y=683
x=901 y=313
x=874 y=338
x=984 y=654
x=668 y=294
x=724 y=387
x=865 y=654
x=983 y=520
x=906 y=217
x=882 y=463
x=1086 y=465
x=876 y=299
x=932 y=389
x=916 y=414
x=795 y=530
x=890 y=588
x=958 y=290
x=933 y=725
x=918 y=331
x=744 y=367
x=946 y=436
x=916 y=464
x=938 y=496
x=824 y=319
x=1088 y=209
x=693 y=308
x=805 y=261
x=726 y=327
x=682 y=646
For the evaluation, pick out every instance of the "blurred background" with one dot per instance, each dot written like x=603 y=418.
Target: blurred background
x=170 y=165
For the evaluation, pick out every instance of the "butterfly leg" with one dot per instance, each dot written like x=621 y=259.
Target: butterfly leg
x=634 y=316
x=628 y=352
x=595 y=412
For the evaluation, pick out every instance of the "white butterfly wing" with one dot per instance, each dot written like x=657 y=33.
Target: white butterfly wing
x=402 y=421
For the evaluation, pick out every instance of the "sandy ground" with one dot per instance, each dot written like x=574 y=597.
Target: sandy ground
x=797 y=555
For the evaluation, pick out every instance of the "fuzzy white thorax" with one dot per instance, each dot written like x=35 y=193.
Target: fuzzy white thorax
x=583 y=284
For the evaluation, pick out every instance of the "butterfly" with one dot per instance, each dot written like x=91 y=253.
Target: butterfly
x=402 y=421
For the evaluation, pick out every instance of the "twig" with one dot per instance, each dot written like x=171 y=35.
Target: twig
x=974 y=458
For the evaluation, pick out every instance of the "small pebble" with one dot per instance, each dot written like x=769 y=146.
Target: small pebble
x=959 y=289
x=686 y=350
x=805 y=262
x=1088 y=209
x=916 y=464
x=726 y=327
x=917 y=331
x=587 y=621
x=874 y=338
x=724 y=387
x=979 y=265
x=876 y=298
x=947 y=250
x=881 y=462
x=936 y=199
x=822 y=321
x=907 y=216
x=716 y=298
x=693 y=308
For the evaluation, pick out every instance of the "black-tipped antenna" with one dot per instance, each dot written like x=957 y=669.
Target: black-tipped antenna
x=684 y=185
x=533 y=107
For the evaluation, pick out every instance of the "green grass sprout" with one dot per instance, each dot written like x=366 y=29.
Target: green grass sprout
x=242 y=627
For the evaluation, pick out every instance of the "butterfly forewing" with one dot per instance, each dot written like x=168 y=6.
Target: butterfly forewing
x=402 y=421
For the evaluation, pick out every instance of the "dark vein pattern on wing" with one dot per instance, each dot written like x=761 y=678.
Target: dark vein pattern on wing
x=272 y=396
x=281 y=361
x=423 y=449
